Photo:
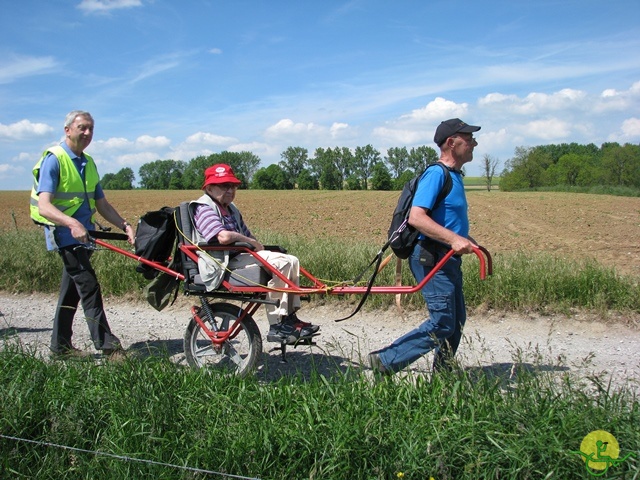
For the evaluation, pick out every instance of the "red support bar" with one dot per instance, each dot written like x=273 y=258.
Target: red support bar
x=155 y=265
x=486 y=267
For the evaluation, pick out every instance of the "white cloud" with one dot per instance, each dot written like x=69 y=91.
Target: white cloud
x=496 y=99
x=551 y=129
x=565 y=98
x=399 y=136
x=8 y=171
x=24 y=129
x=116 y=143
x=104 y=6
x=614 y=100
x=15 y=67
x=258 y=148
x=338 y=128
x=631 y=127
x=536 y=102
x=216 y=51
x=149 y=142
x=438 y=109
x=143 y=142
x=286 y=126
x=136 y=159
x=204 y=138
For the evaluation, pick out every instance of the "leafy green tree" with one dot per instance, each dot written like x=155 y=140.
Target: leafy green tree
x=324 y=165
x=622 y=165
x=364 y=160
x=353 y=182
x=398 y=160
x=175 y=182
x=157 y=175
x=344 y=163
x=193 y=175
x=294 y=159
x=420 y=157
x=381 y=178
x=272 y=177
x=106 y=180
x=398 y=183
x=307 y=181
x=526 y=170
x=122 y=180
x=244 y=164
x=567 y=170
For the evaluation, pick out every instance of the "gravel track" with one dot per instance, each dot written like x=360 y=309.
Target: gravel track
x=495 y=342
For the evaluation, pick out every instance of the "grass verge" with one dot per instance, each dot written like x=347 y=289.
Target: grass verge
x=461 y=424
x=534 y=282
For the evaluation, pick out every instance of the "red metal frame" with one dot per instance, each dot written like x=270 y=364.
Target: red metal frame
x=219 y=337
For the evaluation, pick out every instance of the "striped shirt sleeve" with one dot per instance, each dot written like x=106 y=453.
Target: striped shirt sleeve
x=208 y=223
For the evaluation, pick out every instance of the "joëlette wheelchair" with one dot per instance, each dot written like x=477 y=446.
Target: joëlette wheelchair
x=224 y=336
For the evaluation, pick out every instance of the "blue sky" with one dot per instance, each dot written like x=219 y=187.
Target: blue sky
x=176 y=79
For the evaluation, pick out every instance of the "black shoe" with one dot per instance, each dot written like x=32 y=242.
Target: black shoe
x=306 y=329
x=283 y=333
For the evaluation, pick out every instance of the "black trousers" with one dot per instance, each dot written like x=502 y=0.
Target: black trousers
x=80 y=285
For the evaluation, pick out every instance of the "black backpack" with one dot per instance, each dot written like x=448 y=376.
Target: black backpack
x=155 y=238
x=403 y=237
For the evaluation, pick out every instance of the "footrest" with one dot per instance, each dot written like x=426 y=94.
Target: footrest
x=308 y=340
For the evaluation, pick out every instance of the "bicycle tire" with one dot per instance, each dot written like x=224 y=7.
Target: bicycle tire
x=237 y=356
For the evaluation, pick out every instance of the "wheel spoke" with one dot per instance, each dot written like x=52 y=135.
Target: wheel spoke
x=234 y=355
x=206 y=350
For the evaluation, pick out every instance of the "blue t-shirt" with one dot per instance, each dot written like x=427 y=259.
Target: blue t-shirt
x=48 y=181
x=452 y=211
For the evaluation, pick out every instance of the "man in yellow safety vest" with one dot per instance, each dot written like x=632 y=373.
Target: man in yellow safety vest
x=65 y=196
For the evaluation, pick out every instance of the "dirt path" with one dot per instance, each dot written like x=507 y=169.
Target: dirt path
x=495 y=342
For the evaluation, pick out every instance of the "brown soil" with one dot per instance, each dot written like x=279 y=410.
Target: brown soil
x=575 y=226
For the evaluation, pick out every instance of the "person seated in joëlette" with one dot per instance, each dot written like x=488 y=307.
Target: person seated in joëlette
x=217 y=219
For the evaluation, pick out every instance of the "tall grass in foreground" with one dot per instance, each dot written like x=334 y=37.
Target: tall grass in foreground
x=462 y=424
x=537 y=282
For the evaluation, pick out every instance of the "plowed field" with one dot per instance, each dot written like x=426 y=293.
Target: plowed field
x=574 y=226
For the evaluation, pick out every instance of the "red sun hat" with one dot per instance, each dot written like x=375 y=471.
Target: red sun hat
x=219 y=173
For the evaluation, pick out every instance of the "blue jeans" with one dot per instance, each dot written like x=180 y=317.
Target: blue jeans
x=442 y=331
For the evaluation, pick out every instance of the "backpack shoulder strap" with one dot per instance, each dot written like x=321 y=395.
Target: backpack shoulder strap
x=448 y=184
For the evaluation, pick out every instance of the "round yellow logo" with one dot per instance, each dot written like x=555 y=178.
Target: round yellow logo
x=600 y=450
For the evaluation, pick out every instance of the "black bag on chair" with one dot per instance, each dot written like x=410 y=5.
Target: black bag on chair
x=155 y=238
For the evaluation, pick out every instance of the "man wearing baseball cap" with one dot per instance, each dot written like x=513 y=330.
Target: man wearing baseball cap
x=447 y=227
x=216 y=218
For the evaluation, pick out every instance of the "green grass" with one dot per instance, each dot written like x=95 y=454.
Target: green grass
x=534 y=282
x=464 y=424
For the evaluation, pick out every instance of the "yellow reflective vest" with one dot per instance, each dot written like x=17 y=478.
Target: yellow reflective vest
x=72 y=190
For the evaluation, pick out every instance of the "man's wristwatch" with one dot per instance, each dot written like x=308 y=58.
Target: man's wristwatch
x=125 y=225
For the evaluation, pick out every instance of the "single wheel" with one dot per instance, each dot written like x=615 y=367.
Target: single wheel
x=238 y=355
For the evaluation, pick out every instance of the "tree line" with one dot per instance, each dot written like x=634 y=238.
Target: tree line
x=364 y=168
x=328 y=169
x=573 y=165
